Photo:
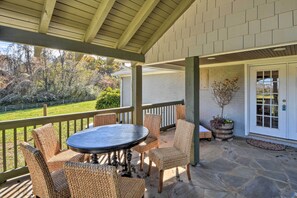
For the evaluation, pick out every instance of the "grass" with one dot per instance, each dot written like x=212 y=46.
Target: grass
x=54 y=110
x=12 y=138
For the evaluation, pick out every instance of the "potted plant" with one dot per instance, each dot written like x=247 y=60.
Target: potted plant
x=223 y=92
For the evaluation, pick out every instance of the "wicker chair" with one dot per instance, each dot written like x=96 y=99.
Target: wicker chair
x=105 y=119
x=93 y=180
x=44 y=183
x=46 y=141
x=152 y=122
x=180 y=112
x=178 y=155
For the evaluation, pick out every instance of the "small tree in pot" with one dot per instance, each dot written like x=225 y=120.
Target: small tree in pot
x=223 y=92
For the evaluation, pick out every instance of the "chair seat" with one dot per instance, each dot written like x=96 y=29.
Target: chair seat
x=57 y=161
x=146 y=145
x=60 y=183
x=131 y=187
x=169 y=157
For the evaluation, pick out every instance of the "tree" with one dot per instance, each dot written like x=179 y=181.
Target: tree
x=223 y=92
x=109 y=98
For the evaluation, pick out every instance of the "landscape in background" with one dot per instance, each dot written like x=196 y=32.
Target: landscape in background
x=32 y=76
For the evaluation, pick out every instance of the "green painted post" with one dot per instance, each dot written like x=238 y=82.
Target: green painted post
x=192 y=102
x=137 y=94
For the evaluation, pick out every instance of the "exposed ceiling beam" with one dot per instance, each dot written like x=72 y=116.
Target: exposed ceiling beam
x=109 y=61
x=169 y=67
x=137 y=21
x=37 y=51
x=46 y=15
x=33 y=38
x=98 y=19
x=179 y=10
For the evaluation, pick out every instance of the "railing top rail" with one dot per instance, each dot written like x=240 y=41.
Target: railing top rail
x=149 y=106
x=8 y=124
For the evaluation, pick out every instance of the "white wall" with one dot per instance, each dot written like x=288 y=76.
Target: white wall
x=218 y=26
x=169 y=87
x=156 y=88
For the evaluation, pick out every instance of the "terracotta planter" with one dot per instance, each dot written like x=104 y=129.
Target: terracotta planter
x=223 y=132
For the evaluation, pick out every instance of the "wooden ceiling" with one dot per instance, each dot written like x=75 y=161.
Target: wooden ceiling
x=289 y=50
x=128 y=25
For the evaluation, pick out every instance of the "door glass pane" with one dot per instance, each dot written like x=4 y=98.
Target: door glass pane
x=259 y=121
x=259 y=109
x=266 y=121
x=274 y=123
x=267 y=89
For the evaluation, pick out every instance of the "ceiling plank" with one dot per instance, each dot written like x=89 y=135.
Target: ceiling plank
x=179 y=10
x=43 y=40
x=169 y=67
x=46 y=15
x=98 y=20
x=137 y=21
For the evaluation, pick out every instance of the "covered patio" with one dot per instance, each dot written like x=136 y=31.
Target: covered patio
x=227 y=169
x=165 y=34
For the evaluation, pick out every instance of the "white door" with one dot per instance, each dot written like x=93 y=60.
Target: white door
x=292 y=101
x=268 y=102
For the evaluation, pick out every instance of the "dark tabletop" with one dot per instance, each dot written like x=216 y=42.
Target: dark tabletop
x=107 y=138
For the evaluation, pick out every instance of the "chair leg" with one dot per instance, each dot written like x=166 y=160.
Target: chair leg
x=141 y=161
x=161 y=181
x=149 y=168
x=188 y=172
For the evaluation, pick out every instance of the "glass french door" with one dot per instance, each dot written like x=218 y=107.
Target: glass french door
x=268 y=104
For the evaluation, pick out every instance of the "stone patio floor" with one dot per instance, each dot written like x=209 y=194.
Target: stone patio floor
x=227 y=169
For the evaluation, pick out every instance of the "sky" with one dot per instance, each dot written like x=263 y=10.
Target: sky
x=3 y=46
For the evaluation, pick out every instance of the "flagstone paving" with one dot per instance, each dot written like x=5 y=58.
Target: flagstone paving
x=226 y=170
x=229 y=169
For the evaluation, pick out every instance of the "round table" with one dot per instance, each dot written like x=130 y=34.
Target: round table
x=108 y=138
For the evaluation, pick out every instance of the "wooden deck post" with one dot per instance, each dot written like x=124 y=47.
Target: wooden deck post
x=137 y=94
x=192 y=73
x=44 y=109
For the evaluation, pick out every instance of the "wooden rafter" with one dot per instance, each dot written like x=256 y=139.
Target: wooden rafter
x=137 y=21
x=33 y=38
x=179 y=10
x=46 y=15
x=98 y=19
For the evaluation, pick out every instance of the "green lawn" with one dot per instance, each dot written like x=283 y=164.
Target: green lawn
x=54 y=110
x=31 y=113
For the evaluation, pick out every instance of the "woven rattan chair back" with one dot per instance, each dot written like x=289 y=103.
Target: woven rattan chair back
x=180 y=112
x=46 y=141
x=183 y=137
x=105 y=119
x=42 y=183
x=80 y=177
x=152 y=123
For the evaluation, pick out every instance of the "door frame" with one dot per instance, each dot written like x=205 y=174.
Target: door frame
x=281 y=131
x=269 y=61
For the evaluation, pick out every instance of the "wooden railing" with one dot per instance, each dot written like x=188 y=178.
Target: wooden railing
x=14 y=132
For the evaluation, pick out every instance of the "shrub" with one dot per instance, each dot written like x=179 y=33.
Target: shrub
x=109 y=98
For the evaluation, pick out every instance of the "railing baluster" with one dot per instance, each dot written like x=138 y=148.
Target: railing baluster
x=74 y=126
x=88 y=122
x=4 y=150
x=124 y=118
x=15 y=147
x=60 y=134
x=68 y=134
x=25 y=134
x=81 y=124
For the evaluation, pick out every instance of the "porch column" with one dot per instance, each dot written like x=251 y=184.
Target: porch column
x=137 y=94
x=192 y=102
